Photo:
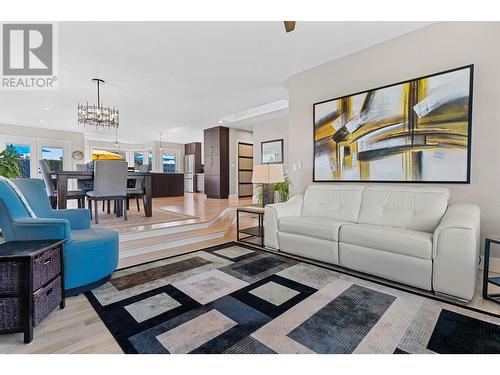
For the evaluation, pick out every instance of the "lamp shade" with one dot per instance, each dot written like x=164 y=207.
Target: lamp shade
x=267 y=173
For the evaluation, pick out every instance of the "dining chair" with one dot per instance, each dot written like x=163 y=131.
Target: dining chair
x=110 y=183
x=137 y=191
x=50 y=187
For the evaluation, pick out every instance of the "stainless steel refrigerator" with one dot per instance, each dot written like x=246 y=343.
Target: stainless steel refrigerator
x=189 y=176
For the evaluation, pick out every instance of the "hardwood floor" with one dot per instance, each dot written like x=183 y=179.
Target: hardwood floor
x=78 y=329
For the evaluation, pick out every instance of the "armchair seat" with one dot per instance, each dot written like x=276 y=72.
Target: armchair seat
x=92 y=255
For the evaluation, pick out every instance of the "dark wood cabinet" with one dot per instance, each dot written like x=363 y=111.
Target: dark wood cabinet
x=216 y=162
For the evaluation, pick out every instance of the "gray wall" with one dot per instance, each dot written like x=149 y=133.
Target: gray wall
x=435 y=48
x=270 y=130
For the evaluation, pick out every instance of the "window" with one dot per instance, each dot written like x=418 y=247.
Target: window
x=150 y=157
x=54 y=157
x=138 y=159
x=23 y=158
x=108 y=155
x=169 y=163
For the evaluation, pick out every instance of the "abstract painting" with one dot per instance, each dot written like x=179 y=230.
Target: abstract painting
x=413 y=131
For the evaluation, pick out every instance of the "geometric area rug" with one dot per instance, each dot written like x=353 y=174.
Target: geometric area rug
x=232 y=299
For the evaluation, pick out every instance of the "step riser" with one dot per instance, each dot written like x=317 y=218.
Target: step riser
x=173 y=230
x=170 y=245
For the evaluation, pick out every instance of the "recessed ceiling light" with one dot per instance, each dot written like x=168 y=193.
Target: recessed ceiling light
x=41 y=121
x=47 y=108
x=220 y=121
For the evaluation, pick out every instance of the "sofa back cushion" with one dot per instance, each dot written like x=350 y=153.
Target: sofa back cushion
x=341 y=202
x=413 y=208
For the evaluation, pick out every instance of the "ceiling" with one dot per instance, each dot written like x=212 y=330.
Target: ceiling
x=182 y=77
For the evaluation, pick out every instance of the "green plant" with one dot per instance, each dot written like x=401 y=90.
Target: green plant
x=283 y=189
x=9 y=166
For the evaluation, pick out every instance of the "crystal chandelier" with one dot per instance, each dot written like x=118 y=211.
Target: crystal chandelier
x=98 y=115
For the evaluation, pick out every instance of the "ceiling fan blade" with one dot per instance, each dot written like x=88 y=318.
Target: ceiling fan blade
x=289 y=26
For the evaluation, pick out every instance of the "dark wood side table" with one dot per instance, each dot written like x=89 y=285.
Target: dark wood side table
x=495 y=297
x=31 y=284
x=253 y=235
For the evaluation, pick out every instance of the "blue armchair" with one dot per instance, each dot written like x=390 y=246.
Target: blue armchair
x=90 y=254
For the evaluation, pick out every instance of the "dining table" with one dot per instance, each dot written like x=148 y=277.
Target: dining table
x=62 y=178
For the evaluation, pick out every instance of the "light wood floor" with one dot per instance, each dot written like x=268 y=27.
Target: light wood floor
x=78 y=329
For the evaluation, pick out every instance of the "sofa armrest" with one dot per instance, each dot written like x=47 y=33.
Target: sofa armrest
x=273 y=212
x=79 y=218
x=41 y=229
x=455 y=251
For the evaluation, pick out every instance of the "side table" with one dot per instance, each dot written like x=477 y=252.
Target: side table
x=495 y=297
x=31 y=284
x=253 y=235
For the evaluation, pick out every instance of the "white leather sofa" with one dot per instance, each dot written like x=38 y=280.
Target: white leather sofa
x=405 y=234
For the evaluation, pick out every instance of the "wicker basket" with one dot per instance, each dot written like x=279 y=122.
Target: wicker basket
x=45 y=267
x=46 y=299
x=11 y=313
x=11 y=277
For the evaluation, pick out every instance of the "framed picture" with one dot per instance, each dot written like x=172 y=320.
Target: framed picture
x=272 y=152
x=416 y=131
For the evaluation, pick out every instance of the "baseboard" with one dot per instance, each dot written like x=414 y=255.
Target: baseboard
x=494 y=264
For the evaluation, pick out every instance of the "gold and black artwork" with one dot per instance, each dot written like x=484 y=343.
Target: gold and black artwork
x=413 y=131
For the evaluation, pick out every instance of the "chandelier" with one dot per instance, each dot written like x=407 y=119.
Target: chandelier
x=98 y=115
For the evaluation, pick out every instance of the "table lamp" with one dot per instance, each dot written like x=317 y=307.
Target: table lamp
x=267 y=174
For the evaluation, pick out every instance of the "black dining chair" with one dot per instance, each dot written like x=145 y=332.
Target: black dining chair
x=137 y=191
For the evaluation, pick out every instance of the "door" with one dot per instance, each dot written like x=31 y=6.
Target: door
x=245 y=170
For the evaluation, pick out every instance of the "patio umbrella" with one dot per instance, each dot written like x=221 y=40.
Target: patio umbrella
x=105 y=155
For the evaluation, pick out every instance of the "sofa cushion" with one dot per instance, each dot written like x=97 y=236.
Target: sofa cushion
x=340 y=202
x=394 y=240
x=317 y=227
x=413 y=208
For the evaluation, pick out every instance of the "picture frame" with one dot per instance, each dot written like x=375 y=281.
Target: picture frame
x=428 y=141
x=272 y=152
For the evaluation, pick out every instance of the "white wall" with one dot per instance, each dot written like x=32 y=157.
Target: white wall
x=38 y=137
x=435 y=48
x=270 y=130
x=235 y=136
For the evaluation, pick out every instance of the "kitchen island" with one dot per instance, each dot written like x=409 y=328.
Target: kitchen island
x=167 y=185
